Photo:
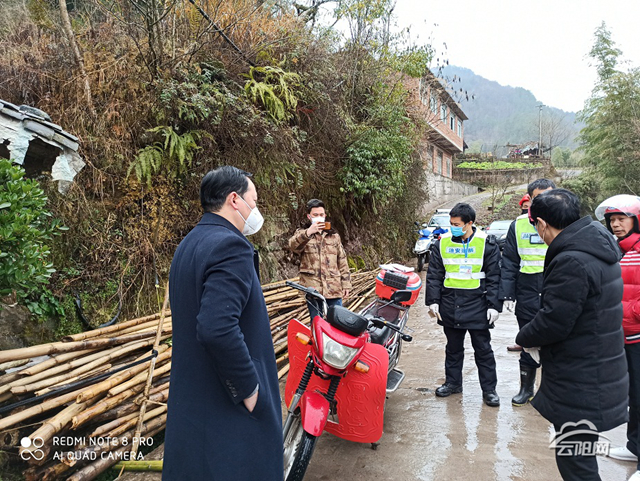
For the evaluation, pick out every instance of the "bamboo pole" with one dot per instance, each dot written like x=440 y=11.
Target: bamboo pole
x=121 y=376
x=147 y=387
x=146 y=326
x=131 y=423
x=103 y=406
x=53 y=361
x=283 y=371
x=5 y=366
x=52 y=376
x=140 y=466
x=111 y=329
x=132 y=406
x=38 y=409
x=56 y=347
x=140 y=378
x=99 y=370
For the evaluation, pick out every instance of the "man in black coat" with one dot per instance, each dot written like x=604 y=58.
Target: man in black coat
x=462 y=292
x=521 y=281
x=224 y=415
x=578 y=331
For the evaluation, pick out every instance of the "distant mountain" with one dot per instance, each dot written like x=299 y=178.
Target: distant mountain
x=500 y=115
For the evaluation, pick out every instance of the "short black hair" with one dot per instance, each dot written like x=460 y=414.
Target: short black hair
x=542 y=184
x=558 y=207
x=219 y=183
x=464 y=211
x=313 y=203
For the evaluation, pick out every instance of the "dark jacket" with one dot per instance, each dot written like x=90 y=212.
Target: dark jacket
x=514 y=285
x=465 y=308
x=222 y=350
x=579 y=330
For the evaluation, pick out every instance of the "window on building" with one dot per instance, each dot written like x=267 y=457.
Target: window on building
x=459 y=128
x=439 y=162
x=448 y=171
x=434 y=103
x=443 y=113
x=452 y=123
x=428 y=163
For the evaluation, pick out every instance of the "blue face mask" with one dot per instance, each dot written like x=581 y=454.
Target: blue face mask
x=457 y=231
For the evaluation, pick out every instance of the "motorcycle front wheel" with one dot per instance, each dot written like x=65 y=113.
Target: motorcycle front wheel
x=298 y=449
x=420 y=262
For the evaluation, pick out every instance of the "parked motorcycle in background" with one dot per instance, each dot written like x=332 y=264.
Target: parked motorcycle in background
x=424 y=245
x=342 y=368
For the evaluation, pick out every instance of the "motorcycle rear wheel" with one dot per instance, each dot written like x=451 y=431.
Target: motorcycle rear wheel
x=298 y=449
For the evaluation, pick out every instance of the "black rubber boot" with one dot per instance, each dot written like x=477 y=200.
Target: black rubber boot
x=527 y=381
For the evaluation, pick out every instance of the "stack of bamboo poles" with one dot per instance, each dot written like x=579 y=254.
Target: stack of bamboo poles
x=82 y=402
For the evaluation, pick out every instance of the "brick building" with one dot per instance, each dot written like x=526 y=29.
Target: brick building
x=446 y=119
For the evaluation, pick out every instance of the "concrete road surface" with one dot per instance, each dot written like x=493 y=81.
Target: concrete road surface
x=454 y=438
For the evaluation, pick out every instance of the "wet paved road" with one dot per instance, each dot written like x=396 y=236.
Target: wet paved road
x=454 y=438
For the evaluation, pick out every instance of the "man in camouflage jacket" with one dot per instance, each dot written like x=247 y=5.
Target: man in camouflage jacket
x=323 y=262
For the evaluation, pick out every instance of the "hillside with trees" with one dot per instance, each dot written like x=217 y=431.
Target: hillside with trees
x=500 y=115
x=160 y=92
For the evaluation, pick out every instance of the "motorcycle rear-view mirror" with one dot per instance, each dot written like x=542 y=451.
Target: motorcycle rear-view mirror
x=424 y=224
x=401 y=296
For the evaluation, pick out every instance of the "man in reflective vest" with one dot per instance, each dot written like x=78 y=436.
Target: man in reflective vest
x=462 y=292
x=521 y=281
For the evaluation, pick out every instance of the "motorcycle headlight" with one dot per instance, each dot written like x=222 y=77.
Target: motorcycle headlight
x=421 y=244
x=335 y=354
x=503 y=236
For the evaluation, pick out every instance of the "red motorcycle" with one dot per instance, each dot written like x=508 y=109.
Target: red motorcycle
x=342 y=369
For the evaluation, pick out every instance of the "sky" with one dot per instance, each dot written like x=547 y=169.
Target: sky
x=540 y=45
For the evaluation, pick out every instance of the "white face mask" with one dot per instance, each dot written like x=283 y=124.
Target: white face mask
x=541 y=235
x=253 y=223
x=317 y=219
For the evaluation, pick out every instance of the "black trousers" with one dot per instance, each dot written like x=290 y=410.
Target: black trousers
x=485 y=361
x=633 y=426
x=573 y=463
x=526 y=361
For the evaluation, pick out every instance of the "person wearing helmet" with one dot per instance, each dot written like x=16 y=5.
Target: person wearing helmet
x=621 y=214
x=521 y=280
x=525 y=203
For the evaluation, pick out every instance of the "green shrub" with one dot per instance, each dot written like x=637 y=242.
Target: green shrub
x=26 y=228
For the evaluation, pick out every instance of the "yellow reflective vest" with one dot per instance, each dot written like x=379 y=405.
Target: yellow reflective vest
x=463 y=262
x=531 y=255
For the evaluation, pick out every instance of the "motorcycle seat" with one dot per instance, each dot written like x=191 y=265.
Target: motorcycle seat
x=347 y=321
x=380 y=335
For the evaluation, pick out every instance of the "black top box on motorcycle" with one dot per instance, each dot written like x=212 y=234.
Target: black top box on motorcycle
x=347 y=321
x=395 y=280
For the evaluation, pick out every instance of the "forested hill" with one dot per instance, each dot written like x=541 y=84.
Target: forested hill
x=500 y=114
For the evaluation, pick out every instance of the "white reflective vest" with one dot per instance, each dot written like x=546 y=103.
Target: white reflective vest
x=531 y=255
x=463 y=271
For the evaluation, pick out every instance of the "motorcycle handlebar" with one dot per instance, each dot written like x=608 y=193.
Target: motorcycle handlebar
x=314 y=294
x=308 y=290
x=380 y=322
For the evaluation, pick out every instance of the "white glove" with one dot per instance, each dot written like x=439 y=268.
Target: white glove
x=492 y=315
x=534 y=352
x=435 y=309
x=509 y=305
